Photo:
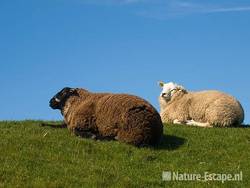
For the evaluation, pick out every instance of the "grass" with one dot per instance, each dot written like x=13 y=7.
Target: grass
x=35 y=156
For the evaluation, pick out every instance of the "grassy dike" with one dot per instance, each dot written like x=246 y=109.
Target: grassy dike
x=35 y=156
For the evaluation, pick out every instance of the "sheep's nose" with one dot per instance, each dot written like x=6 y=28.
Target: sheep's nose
x=51 y=101
x=163 y=94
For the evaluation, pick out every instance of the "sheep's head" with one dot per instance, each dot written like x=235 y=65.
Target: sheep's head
x=58 y=101
x=168 y=89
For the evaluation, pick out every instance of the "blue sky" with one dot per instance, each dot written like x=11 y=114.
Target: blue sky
x=120 y=46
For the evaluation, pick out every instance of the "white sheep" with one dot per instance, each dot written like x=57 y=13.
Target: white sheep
x=204 y=108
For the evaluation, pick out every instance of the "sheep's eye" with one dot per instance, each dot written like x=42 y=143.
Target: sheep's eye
x=57 y=100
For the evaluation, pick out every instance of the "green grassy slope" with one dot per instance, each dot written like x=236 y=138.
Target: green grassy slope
x=35 y=156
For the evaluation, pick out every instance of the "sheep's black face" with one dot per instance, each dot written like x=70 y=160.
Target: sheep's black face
x=58 y=101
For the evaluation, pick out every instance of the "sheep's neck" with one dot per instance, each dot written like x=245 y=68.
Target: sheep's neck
x=66 y=110
x=177 y=95
x=163 y=104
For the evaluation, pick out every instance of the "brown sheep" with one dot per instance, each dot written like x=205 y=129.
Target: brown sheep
x=123 y=117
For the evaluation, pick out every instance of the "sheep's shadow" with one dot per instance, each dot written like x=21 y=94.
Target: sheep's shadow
x=170 y=142
x=244 y=126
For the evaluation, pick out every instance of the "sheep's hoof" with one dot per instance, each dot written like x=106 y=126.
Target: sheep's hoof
x=198 y=124
x=94 y=137
x=176 y=121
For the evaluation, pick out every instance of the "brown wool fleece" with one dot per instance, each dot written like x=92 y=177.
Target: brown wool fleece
x=124 y=117
x=213 y=107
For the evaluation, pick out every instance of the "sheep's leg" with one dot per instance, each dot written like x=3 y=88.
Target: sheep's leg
x=85 y=133
x=63 y=125
x=88 y=135
x=198 y=124
x=176 y=121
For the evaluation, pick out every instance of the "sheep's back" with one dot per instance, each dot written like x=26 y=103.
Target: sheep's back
x=112 y=108
x=216 y=105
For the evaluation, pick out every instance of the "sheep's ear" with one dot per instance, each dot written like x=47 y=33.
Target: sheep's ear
x=180 y=87
x=72 y=90
x=161 y=83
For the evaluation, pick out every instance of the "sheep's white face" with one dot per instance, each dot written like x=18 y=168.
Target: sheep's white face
x=167 y=89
